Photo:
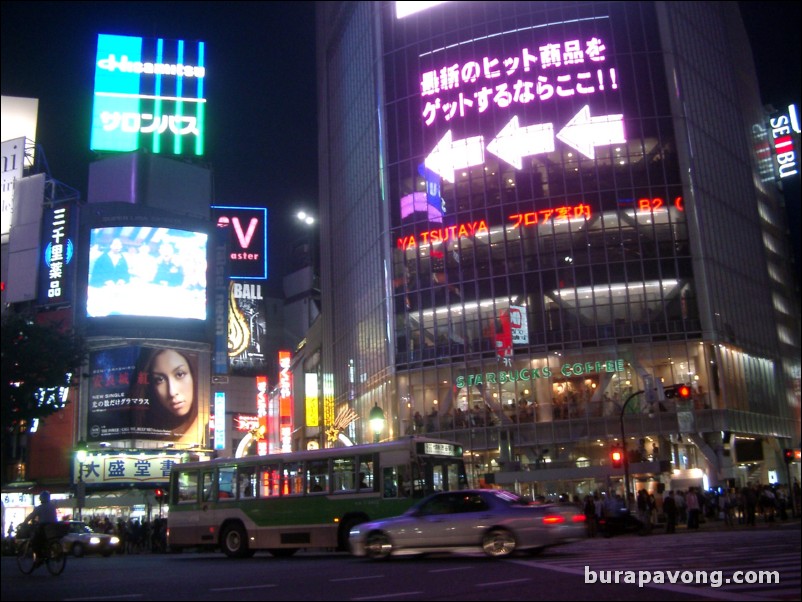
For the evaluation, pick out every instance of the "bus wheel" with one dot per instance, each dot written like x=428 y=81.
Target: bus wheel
x=235 y=542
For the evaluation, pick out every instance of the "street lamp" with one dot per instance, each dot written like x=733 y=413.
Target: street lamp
x=80 y=488
x=624 y=446
x=376 y=418
x=306 y=218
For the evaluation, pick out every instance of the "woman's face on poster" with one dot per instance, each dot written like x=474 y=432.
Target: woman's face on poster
x=172 y=381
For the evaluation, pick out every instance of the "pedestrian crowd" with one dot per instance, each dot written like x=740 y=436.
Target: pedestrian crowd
x=745 y=506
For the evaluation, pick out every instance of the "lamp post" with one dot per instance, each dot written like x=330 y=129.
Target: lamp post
x=80 y=488
x=376 y=418
x=624 y=446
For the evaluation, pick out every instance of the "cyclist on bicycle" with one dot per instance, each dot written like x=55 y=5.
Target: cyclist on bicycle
x=43 y=514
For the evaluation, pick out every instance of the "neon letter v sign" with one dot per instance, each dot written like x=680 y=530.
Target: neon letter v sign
x=244 y=239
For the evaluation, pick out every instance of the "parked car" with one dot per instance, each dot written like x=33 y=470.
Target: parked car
x=82 y=540
x=497 y=522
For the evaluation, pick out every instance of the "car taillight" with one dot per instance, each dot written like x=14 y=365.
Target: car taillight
x=553 y=519
x=578 y=518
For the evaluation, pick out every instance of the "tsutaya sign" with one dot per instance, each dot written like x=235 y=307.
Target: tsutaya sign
x=527 y=374
x=149 y=93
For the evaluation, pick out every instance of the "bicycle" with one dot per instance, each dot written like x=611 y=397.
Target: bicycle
x=29 y=559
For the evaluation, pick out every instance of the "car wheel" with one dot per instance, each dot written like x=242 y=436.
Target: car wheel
x=77 y=550
x=498 y=543
x=378 y=545
x=235 y=541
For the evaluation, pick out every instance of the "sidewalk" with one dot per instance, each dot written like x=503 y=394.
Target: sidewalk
x=716 y=524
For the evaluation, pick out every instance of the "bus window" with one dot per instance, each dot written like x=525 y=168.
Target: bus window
x=317 y=476
x=390 y=479
x=343 y=474
x=366 y=472
x=291 y=479
x=226 y=483
x=188 y=487
x=270 y=480
x=207 y=485
x=245 y=479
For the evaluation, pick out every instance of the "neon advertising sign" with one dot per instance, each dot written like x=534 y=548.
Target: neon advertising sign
x=55 y=272
x=541 y=217
x=529 y=75
x=247 y=227
x=471 y=229
x=261 y=414
x=285 y=400
x=782 y=128
x=149 y=93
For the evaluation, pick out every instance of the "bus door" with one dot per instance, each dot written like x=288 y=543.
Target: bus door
x=204 y=518
x=187 y=504
x=442 y=475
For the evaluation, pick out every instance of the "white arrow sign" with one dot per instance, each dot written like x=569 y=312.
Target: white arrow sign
x=448 y=156
x=514 y=142
x=584 y=132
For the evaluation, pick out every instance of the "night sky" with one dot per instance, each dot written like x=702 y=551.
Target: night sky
x=262 y=135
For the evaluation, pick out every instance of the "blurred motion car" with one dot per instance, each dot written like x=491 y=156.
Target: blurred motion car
x=82 y=540
x=495 y=521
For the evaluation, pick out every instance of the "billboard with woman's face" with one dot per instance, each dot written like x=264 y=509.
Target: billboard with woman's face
x=146 y=392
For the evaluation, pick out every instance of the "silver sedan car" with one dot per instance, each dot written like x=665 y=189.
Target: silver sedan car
x=495 y=521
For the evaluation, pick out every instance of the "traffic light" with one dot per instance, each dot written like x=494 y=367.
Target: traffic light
x=159 y=494
x=788 y=455
x=617 y=457
x=681 y=392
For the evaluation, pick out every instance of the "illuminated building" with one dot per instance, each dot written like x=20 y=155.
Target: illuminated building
x=530 y=211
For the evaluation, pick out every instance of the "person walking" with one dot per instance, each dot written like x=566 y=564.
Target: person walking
x=590 y=516
x=692 y=503
x=670 y=510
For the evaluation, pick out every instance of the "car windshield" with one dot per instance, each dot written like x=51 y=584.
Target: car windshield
x=80 y=528
x=513 y=499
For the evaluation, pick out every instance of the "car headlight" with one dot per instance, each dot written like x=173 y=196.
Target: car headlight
x=93 y=541
x=114 y=540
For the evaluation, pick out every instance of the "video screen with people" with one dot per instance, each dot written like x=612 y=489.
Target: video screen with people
x=146 y=271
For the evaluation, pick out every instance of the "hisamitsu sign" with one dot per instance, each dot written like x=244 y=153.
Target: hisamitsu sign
x=149 y=94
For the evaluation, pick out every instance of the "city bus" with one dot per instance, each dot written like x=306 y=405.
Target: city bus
x=310 y=499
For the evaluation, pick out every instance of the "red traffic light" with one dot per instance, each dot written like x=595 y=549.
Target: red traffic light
x=617 y=457
x=678 y=391
x=159 y=494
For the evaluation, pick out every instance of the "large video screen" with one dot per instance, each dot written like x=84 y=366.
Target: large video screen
x=147 y=271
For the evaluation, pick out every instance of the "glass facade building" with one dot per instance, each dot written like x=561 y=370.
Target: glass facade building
x=539 y=216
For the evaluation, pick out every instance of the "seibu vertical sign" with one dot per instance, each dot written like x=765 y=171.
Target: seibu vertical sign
x=247 y=242
x=783 y=127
